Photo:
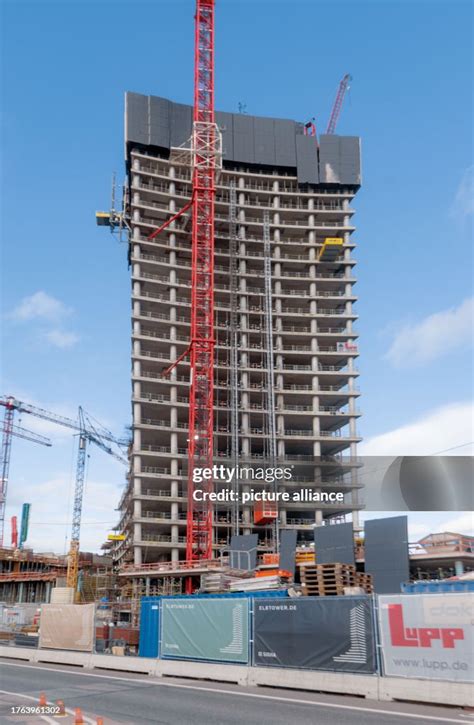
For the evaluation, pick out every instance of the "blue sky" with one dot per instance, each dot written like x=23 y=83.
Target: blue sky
x=66 y=66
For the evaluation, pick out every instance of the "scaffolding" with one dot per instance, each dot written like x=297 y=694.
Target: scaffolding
x=234 y=355
x=270 y=382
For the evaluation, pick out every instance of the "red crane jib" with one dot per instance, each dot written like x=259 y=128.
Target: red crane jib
x=336 y=109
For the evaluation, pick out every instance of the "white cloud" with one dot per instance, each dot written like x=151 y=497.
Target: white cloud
x=423 y=523
x=438 y=430
x=460 y=524
x=61 y=339
x=463 y=205
x=40 y=306
x=417 y=531
x=436 y=335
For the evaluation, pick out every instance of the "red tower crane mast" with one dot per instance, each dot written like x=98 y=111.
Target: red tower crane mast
x=205 y=143
x=206 y=160
x=336 y=109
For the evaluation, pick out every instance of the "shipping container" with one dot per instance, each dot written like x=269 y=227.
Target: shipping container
x=149 y=627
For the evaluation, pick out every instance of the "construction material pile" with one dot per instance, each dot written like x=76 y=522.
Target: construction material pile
x=217 y=582
x=322 y=580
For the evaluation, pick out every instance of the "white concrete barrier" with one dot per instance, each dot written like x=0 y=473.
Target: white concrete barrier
x=346 y=683
x=371 y=686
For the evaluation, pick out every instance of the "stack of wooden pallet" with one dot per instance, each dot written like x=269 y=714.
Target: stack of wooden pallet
x=365 y=581
x=327 y=579
x=324 y=580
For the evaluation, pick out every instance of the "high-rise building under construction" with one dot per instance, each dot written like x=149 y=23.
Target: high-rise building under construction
x=285 y=375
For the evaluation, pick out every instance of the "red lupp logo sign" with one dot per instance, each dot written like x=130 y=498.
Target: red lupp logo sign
x=402 y=636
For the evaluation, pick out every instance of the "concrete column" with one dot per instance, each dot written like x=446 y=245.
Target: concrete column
x=174 y=467
x=174 y=439
x=356 y=521
x=137 y=442
x=352 y=427
x=137 y=509
x=281 y=449
x=316 y=426
x=137 y=485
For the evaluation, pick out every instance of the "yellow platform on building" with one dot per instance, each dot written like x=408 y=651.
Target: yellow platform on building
x=102 y=218
x=331 y=249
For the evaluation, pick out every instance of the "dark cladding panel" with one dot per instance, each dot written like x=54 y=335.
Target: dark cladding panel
x=181 y=121
x=243 y=552
x=288 y=550
x=386 y=553
x=339 y=159
x=136 y=118
x=225 y=121
x=349 y=149
x=329 y=159
x=150 y=120
x=306 y=160
x=264 y=141
x=334 y=543
x=285 y=145
x=244 y=149
x=159 y=122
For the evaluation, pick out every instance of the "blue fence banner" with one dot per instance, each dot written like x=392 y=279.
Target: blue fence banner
x=205 y=629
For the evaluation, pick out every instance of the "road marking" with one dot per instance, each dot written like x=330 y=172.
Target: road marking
x=395 y=713
x=49 y=702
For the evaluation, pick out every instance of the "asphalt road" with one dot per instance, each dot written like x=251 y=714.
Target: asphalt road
x=136 y=700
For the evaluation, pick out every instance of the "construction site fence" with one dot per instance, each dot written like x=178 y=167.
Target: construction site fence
x=424 y=636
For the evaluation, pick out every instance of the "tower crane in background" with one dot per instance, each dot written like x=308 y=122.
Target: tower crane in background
x=89 y=431
x=9 y=429
x=206 y=158
x=336 y=109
